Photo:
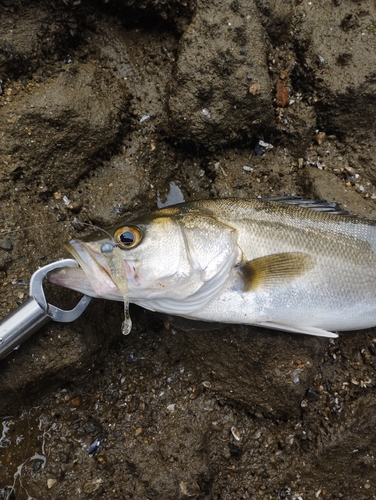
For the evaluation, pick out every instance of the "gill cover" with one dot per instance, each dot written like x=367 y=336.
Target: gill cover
x=181 y=261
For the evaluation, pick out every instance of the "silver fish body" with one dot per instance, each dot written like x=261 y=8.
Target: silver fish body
x=240 y=261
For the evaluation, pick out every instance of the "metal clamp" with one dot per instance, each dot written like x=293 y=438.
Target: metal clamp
x=35 y=312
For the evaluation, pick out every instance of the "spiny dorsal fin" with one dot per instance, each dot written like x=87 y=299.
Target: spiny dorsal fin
x=316 y=205
x=274 y=270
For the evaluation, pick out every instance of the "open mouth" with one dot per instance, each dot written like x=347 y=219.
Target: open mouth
x=91 y=278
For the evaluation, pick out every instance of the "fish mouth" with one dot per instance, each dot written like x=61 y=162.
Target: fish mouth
x=91 y=278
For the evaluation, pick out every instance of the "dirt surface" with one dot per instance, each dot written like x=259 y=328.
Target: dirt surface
x=106 y=107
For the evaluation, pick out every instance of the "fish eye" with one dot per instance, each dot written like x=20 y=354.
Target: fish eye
x=128 y=236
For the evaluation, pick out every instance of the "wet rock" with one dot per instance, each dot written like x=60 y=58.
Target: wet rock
x=353 y=443
x=58 y=353
x=176 y=11
x=247 y=360
x=325 y=185
x=5 y=259
x=62 y=131
x=24 y=45
x=302 y=407
x=212 y=102
x=344 y=81
x=121 y=186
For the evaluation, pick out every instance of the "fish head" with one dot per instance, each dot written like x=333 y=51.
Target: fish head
x=169 y=254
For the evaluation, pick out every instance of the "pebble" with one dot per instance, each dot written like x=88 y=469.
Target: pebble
x=282 y=95
x=138 y=431
x=102 y=460
x=350 y=170
x=76 y=401
x=254 y=88
x=189 y=490
x=311 y=395
x=51 y=482
x=320 y=138
x=6 y=245
x=75 y=206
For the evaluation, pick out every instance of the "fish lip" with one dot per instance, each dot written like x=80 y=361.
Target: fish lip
x=93 y=265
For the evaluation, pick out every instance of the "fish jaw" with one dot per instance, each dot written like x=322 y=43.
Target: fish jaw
x=92 y=277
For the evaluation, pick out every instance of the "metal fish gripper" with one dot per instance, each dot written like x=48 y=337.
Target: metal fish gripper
x=36 y=312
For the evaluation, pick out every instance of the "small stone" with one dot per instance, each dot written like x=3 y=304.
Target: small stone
x=300 y=162
x=101 y=459
x=311 y=395
x=138 y=431
x=6 y=245
x=189 y=490
x=283 y=75
x=254 y=89
x=51 y=482
x=320 y=138
x=367 y=486
x=76 y=401
x=75 y=206
x=282 y=95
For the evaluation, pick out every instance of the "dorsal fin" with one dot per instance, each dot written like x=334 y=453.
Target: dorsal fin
x=317 y=205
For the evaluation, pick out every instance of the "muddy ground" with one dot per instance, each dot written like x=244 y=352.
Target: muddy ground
x=103 y=105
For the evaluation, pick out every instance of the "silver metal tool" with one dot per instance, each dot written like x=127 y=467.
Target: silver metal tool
x=35 y=312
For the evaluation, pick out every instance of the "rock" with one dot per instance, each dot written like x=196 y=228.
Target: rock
x=76 y=401
x=218 y=50
x=342 y=55
x=324 y=185
x=6 y=245
x=189 y=489
x=61 y=131
x=320 y=138
x=51 y=482
x=59 y=352
x=249 y=359
x=282 y=95
x=353 y=440
x=25 y=45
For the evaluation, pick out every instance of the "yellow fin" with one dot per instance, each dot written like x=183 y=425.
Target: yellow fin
x=274 y=270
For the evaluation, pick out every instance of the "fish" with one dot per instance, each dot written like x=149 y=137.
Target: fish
x=285 y=264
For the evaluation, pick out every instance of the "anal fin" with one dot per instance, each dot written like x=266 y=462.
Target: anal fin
x=308 y=330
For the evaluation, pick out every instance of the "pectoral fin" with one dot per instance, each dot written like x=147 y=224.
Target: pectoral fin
x=309 y=330
x=274 y=270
